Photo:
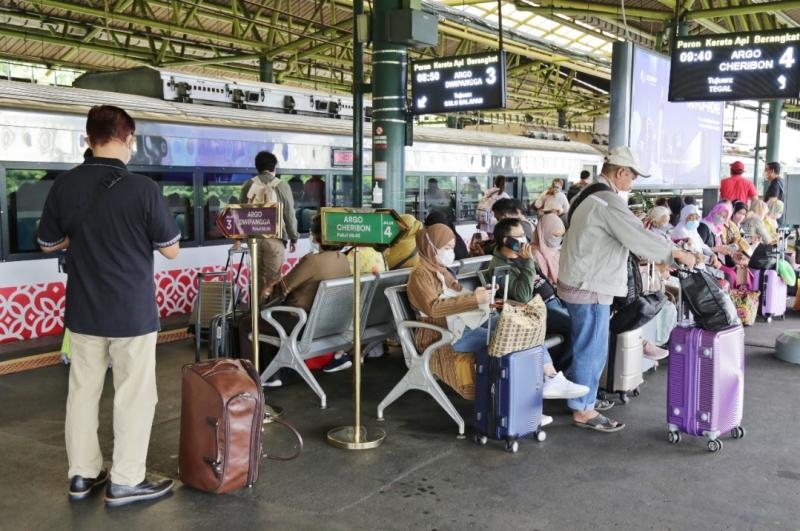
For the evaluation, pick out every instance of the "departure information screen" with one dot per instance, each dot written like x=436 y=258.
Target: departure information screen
x=736 y=66
x=459 y=83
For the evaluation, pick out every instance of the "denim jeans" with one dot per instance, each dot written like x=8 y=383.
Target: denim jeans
x=590 y=324
x=558 y=322
x=474 y=340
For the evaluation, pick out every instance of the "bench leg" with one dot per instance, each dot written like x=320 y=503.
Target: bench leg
x=416 y=378
x=287 y=359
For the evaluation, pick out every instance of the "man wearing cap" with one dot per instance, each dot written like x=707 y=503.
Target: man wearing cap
x=737 y=187
x=593 y=270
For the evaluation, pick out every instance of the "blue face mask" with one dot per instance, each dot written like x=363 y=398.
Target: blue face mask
x=692 y=225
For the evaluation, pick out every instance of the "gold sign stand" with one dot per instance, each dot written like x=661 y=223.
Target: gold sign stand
x=356 y=437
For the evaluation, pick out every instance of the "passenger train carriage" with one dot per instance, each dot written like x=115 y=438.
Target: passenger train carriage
x=201 y=155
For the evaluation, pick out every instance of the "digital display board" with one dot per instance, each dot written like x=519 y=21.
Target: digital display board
x=736 y=66
x=459 y=83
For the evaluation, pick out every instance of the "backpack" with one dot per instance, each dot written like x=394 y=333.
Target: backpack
x=260 y=192
x=483 y=213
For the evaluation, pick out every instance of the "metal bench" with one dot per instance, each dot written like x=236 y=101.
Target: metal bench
x=377 y=322
x=419 y=375
x=473 y=264
x=319 y=331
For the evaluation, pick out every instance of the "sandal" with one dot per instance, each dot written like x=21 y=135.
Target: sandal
x=600 y=423
x=603 y=405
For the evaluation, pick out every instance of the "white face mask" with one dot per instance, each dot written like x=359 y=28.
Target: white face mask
x=446 y=257
x=554 y=241
x=624 y=194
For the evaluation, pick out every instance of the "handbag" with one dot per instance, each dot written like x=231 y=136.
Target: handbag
x=520 y=327
x=712 y=308
x=746 y=303
x=637 y=313
x=765 y=256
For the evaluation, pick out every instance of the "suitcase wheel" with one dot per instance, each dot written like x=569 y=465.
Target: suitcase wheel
x=738 y=432
x=674 y=437
x=512 y=446
x=541 y=436
x=481 y=439
x=623 y=396
x=635 y=392
x=714 y=445
x=768 y=319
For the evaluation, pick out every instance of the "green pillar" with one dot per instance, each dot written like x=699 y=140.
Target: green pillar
x=774 y=131
x=265 y=70
x=389 y=64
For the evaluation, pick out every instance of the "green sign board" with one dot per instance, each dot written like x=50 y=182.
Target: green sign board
x=361 y=227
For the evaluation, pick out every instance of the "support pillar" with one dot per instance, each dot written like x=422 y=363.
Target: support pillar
x=389 y=64
x=774 y=131
x=265 y=70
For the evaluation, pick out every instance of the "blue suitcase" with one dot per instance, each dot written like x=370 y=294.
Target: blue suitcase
x=508 y=396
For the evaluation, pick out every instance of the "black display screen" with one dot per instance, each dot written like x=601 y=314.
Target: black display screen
x=736 y=66
x=459 y=83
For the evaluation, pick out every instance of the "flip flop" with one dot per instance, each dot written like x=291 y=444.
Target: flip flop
x=603 y=405
x=600 y=423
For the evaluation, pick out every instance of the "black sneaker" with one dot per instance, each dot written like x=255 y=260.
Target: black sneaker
x=119 y=495
x=81 y=487
x=339 y=362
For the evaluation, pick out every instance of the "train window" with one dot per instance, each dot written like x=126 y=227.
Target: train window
x=309 y=194
x=413 y=192
x=532 y=188
x=27 y=191
x=178 y=190
x=219 y=190
x=342 y=190
x=440 y=195
x=470 y=192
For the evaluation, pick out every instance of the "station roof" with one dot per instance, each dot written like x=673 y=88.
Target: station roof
x=558 y=51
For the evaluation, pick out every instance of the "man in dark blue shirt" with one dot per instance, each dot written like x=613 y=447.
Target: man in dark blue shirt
x=110 y=220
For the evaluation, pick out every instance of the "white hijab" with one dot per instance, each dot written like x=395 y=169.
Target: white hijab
x=682 y=232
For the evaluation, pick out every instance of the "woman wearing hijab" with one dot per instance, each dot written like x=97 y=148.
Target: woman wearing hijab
x=404 y=251
x=686 y=233
x=711 y=226
x=436 y=216
x=436 y=294
x=546 y=245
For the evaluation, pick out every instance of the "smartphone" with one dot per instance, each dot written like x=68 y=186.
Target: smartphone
x=512 y=243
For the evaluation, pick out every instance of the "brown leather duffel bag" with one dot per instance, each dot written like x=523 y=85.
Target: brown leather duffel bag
x=222 y=410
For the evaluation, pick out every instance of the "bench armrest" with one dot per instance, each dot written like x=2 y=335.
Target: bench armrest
x=302 y=317
x=553 y=340
x=405 y=331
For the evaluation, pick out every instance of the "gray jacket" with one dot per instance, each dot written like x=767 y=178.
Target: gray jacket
x=595 y=250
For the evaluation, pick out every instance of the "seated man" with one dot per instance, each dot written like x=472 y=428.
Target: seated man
x=525 y=280
x=502 y=209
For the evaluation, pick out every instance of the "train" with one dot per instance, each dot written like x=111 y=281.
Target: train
x=200 y=155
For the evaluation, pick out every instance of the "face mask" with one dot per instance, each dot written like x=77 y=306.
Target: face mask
x=624 y=194
x=719 y=220
x=446 y=257
x=692 y=225
x=554 y=241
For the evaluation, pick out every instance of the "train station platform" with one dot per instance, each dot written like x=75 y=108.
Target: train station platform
x=423 y=477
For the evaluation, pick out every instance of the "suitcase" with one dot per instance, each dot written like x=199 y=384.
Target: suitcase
x=705 y=384
x=222 y=410
x=508 y=396
x=224 y=332
x=773 y=294
x=625 y=355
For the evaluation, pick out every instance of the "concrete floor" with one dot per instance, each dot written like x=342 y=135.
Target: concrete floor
x=423 y=477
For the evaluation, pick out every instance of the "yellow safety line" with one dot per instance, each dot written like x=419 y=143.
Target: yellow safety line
x=54 y=358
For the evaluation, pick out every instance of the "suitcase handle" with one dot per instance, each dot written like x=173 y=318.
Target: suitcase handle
x=214 y=462
x=296 y=434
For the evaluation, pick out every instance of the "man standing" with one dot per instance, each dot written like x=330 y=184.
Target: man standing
x=593 y=270
x=576 y=187
x=737 y=187
x=110 y=220
x=772 y=174
x=267 y=187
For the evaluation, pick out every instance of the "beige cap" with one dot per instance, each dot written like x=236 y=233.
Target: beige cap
x=624 y=156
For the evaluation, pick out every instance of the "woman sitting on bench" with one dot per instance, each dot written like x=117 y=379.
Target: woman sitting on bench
x=435 y=293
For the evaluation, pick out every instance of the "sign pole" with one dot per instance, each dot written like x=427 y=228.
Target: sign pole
x=253 y=243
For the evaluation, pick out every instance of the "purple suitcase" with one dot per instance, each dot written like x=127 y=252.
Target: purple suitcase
x=508 y=396
x=705 y=384
x=773 y=293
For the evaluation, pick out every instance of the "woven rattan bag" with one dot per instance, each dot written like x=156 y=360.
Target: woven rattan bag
x=520 y=327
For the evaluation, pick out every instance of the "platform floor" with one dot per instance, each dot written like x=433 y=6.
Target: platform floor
x=423 y=477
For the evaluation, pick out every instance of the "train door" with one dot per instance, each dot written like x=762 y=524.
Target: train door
x=342 y=190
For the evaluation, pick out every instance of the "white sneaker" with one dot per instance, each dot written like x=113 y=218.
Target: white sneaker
x=652 y=352
x=557 y=386
x=545 y=421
